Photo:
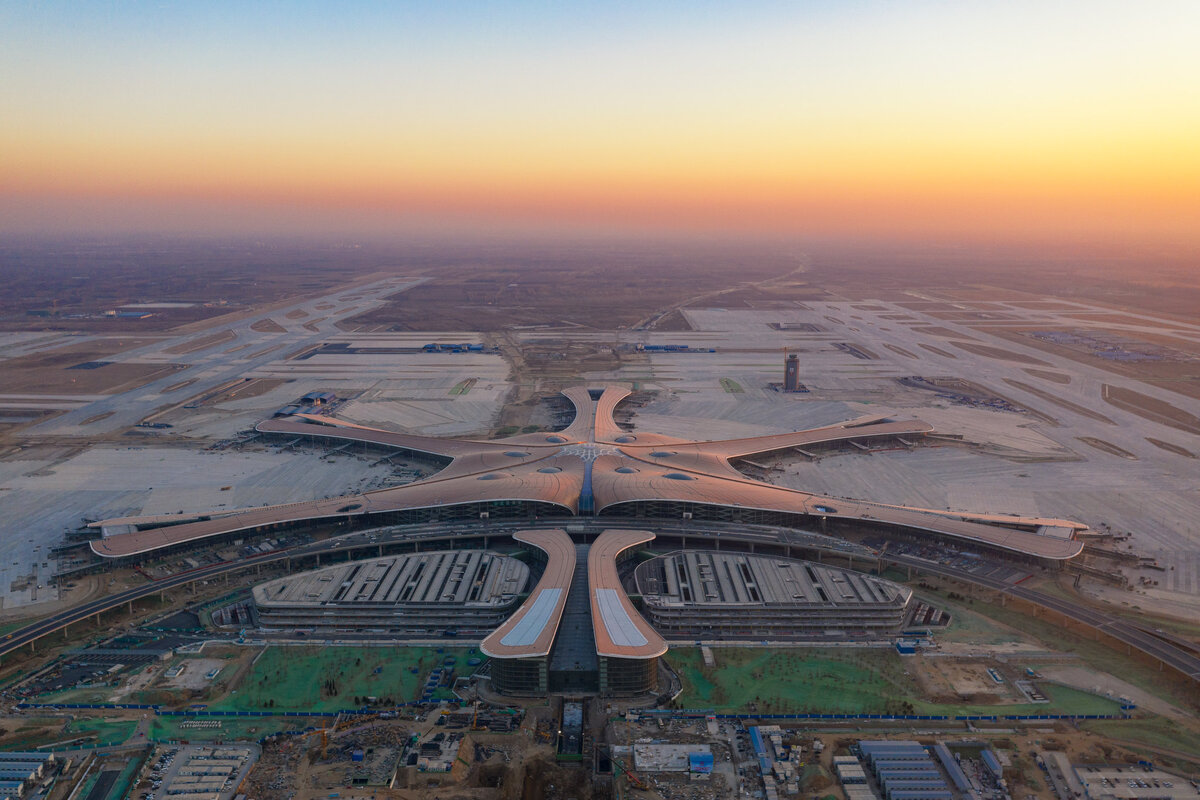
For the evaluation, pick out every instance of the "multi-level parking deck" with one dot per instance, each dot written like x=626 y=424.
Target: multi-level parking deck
x=702 y=594
x=416 y=595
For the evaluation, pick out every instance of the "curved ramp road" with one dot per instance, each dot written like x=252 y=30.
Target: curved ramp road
x=1154 y=645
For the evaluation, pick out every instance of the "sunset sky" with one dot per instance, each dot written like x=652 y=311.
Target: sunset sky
x=911 y=119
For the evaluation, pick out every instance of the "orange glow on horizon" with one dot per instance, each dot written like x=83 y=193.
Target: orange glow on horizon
x=964 y=120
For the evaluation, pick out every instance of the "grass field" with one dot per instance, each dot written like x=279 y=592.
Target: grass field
x=105 y=694
x=329 y=678
x=9 y=627
x=38 y=731
x=1053 y=637
x=172 y=728
x=1151 y=731
x=731 y=386
x=106 y=732
x=836 y=682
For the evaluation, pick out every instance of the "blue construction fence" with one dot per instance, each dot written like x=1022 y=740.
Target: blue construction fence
x=203 y=712
x=685 y=713
x=692 y=713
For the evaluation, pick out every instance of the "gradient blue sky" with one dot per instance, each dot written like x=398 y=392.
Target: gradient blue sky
x=913 y=119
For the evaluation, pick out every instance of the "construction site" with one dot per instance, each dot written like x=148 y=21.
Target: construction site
x=370 y=547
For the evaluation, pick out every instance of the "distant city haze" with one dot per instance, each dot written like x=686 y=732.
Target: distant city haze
x=922 y=120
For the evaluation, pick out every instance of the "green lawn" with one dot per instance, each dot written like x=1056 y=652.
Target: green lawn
x=1059 y=639
x=9 y=627
x=240 y=728
x=813 y=680
x=77 y=696
x=789 y=681
x=1151 y=731
x=106 y=732
x=38 y=731
x=301 y=678
x=731 y=386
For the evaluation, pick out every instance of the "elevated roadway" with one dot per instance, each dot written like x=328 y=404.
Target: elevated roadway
x=1181 y=659
x=1178 y=657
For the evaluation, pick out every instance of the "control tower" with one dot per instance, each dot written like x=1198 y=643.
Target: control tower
x=791 y=373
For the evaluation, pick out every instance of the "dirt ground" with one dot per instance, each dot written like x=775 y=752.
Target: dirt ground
x=1151 y=408
x=201 y=343
x=1045 y=374
x=268 y=326
x=1050 y=397
x=1177 y=376
x=51 y=372
x=965 y=678
x=999 y=353
x=194 y=674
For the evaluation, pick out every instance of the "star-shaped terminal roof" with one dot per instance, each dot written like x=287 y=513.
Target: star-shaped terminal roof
x=594 y=466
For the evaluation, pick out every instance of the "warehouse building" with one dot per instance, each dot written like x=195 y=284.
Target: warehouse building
x=905 y=771
x=419 y=595
x=701 y=594
x=21 y=770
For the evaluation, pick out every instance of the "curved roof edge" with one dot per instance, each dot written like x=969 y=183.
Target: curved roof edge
x=1025 y=543
x=530 y=631
x=620 y=631
x=139 y=542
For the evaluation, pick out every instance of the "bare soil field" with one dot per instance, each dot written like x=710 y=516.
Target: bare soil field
x=267 y=326
x=1107 y=447
x=999 y=353
x=1177 y=376
x=202 y=343
x=1151 y=408
x=899 y=350
x=1119 y=319
x=298 y=313
x=602 y=286
x=938 y=351
x=934 y=330
x=1171 y=448
x=265 y=350
x=1042 y=305
x=776 y=295
x=78 y=353
x=62 y=371
x=251 y=388
x=675 y=321
x=1045 y=374
x=1058 y=401
x=974 y=316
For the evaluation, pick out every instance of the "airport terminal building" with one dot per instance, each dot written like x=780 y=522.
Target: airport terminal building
x=578 y=630
x=595 y=468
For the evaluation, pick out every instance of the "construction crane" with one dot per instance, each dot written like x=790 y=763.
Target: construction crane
x=324 y=732
x=633 y=778
x=475 y=717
